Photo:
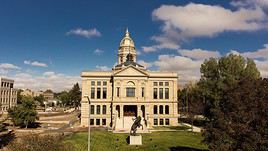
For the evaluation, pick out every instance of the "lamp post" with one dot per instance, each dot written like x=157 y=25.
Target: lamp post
x=88 y=146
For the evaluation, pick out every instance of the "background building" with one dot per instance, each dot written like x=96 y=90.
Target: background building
x=8 y=95
x=128 y=91
x=48 y=95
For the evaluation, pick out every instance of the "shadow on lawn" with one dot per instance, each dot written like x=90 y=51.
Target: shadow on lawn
x=180 y=148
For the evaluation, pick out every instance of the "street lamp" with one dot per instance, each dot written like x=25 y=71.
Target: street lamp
x=88 y=146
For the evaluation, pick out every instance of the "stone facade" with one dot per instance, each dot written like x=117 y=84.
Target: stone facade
x=8 y=95
x=128 y=91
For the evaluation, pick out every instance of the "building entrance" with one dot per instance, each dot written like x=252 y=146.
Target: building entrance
x=130 y=110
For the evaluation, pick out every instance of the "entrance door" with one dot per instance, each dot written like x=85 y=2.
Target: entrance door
x=130 y=110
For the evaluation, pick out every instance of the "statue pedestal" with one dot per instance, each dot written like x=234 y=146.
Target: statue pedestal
x=135 y=140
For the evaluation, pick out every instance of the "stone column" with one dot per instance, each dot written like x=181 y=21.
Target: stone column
x=139 y=113
x=121 y=111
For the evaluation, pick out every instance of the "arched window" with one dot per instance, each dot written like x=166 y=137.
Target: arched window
x=166 y=109
x=155 y=109
x=161 y=110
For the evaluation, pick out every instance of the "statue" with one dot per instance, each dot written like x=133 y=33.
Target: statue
x=136 y=124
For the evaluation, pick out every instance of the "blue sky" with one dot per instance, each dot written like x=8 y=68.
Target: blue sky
x=42 y=42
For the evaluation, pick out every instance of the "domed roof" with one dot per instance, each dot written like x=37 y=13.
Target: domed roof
x=127 y=41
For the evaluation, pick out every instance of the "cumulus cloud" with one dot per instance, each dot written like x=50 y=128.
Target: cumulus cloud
x=199 y=53
x=187 y=68
x=102 y=68
x=8 y=66
x=145 y=64
x=48 y=80
x=263 y=67
x=249 y=3
x=257 y=54
x=163 y=43
x=35 y=63
x=87 y=33
x=180 y=23
x=98 y=51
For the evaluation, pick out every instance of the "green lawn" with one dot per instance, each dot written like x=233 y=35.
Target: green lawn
x=163 y=141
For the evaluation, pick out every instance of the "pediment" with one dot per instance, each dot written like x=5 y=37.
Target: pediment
x=130 y=71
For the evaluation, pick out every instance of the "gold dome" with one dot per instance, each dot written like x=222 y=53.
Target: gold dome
x=127 y=41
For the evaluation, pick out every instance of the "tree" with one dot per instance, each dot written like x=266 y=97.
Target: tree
x=39 y=99
x=19 y=96
x=219 y=79
x=218 y=76
x=241 y=122
x=75 y=95
x=24 y=114
x=64 y=97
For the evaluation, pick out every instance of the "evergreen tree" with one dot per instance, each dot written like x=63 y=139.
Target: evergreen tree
x=75 y=95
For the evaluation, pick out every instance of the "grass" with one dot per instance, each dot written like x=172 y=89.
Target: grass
x=156 y=141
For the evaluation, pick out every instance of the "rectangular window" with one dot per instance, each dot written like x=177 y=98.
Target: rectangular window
x=92 y=109
x=155 y=93
x=117 y=91
x=104 y=93
x=92 y=94
x=130 y=92
x=166 y=83
x=155 y=121
x=155 y=109
x=161 y=122
x=92 y=83
x=142 y=92
x=91 y=121
x=104 y=121
x=160 y=83
x=98 y=93
x=155 y=83
x=161 y=93
x=104 y=83
x=166 y=93
x=98 y=109
x=104 y=109
x=97 y=121
x=161 y=110
x=166 y=109
x=98 y=83
x=167 y=121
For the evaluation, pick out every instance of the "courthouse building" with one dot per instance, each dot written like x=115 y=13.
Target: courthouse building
x=8 y=95
x=127 y=91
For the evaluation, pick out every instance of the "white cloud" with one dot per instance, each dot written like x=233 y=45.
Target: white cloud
x=187 y=68
x=195 y=20
x=98 y=51
x=181 y=23
x=35 y=63
x=199 y=53
x=249 y=3
x=145 y=64
x=263 y=67
x=257 y=54
x=48 y=80
x=102 y=68
x=8 y=66
x=87 y=33
x=163 y=43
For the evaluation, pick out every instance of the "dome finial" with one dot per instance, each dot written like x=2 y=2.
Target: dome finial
x=127 y=33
